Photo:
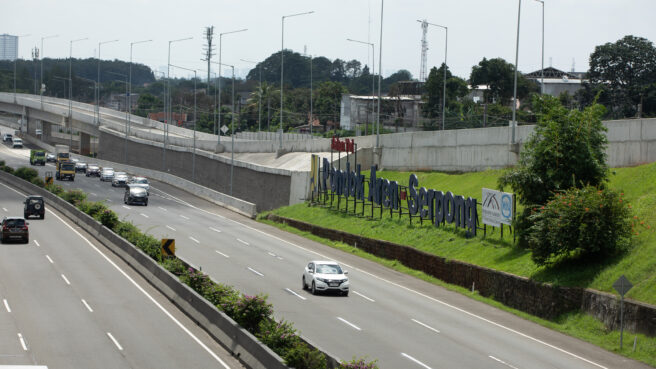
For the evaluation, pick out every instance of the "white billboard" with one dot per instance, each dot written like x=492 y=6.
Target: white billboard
x=497 y=207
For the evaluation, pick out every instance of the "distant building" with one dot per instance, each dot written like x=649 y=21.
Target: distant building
x=556 y=81
x=8 y=47
x=176 y=118
x=119 y=102
x=359 y=112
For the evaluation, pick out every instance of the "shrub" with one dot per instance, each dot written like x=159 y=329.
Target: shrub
x=358 y=364
x=55 y=188
x=586 y=221
x=95 y=208
x=280 y=337
x=2 y=163
x=303 y=357
x=127 y=230
x=38 y=181
x=74 y=196
x=108 y=218
x=196 y=279
x=150 y=245
x=26 y=173
x=217 y=293
x=174 y=265
x=7 y=169
x=251 y=311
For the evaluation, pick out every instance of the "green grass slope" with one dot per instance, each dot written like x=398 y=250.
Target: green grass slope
x=638 y=264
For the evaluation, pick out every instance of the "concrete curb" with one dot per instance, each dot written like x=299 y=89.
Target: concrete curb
x=239 y=342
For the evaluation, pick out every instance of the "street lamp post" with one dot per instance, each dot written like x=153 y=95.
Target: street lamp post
x=168 y=103
x=218 y=142
x=70 y=93
x=98 y=84
x=373 y=72
x=41 y=74
x=380 y=71
x=15 y=60
x=126 y=107
x=282 y=59
x=193 y=155
x=514 y=110
x=259 y=105
x=542 y=70
x=127 y=132
x=446 y=42
x=232 y=129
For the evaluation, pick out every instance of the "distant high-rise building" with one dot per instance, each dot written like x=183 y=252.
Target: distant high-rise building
x=8 y=47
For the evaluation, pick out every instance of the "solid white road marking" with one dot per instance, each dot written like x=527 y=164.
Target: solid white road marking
x=349 y=323
x=87 y=305
x=272 y=254
x=171 y=228
x=115 y=341
x=415 y=360
x=127 y=207
x=6 y=305
x=184 y=217
x=37 y=243
x=256 y=272
x=49 y=259
x=144 y=215
x=162 y=208
x=394 y=284
x=425 y=325
x=22 y=341
x=66 y=280
x=364 y=297
x=244 y=242
x=215 y=230
x=193 y=239
x=220 y=253
x=502 y=362
x=5 y=209
x=295 y=294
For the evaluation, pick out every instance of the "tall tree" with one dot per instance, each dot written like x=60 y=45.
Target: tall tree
x=499 y=76
x=327 y=102
x=456 y=88
x=626 y=69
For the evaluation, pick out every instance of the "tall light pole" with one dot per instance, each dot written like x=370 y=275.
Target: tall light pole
x=168 y=102
x=127 y=132
x=125 y=146
x=514 y=109
x=542 y=70
x=373 y=72
x=218 y=142
x=15 y=60
x=380 y=71
x=282 y=58
x=41 y=74
x=70 y=93
x=193 y=155
x=259 y=105
x=446 y=42
x=232 y=130
x=98 y=83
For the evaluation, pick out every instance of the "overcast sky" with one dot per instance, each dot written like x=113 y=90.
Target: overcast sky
x=477 y=29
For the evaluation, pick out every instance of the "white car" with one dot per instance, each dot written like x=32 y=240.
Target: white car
x=325 y=276
x=120 y=179
x=17 y=142
x=107 y=174
x=140 y=182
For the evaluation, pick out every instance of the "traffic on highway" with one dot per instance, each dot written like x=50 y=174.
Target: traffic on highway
x=399 y=320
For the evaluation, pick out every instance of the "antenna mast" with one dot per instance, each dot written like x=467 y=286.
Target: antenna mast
x=424 y=50
x=208 y=51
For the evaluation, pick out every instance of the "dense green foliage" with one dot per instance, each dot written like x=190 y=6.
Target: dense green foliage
x=27 y=174
x=579 y=222
x=499 y=76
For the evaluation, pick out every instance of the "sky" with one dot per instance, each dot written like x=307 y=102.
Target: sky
x=476 y=29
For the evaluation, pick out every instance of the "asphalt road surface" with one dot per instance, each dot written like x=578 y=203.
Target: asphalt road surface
x=399 y=320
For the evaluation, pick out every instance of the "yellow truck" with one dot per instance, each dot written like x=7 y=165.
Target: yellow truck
x=65 y=170
x=62 y=154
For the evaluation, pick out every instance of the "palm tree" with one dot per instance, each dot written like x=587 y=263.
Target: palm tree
x=266 y=94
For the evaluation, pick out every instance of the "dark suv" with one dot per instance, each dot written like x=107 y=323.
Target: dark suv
x=34 y=205
x=14 y=228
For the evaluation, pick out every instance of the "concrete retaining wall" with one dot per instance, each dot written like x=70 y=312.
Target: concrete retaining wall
x=539 y=299
x=222 y=328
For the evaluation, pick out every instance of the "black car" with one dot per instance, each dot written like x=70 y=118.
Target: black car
x=93 y=170
x=34 y=205
x=51 y=158
x=135 y=195
x=13 y=228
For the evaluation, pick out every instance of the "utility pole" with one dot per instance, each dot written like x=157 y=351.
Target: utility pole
x=35 y=57
x=208 y=52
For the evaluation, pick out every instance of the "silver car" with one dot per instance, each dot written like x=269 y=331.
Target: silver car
x=140 y=182
x=107 y=174
x=325 y=276
x=120 y=179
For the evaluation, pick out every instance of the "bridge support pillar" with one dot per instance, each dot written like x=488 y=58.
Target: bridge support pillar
x=85 y=143
x=46 y=134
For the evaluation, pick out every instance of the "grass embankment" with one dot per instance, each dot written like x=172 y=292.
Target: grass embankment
x=638 y=264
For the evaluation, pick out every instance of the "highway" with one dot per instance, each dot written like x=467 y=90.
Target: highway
x=399 y=320
x=67 y=302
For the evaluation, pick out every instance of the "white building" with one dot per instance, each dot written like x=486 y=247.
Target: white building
x=8 y=47
x=556 y=81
